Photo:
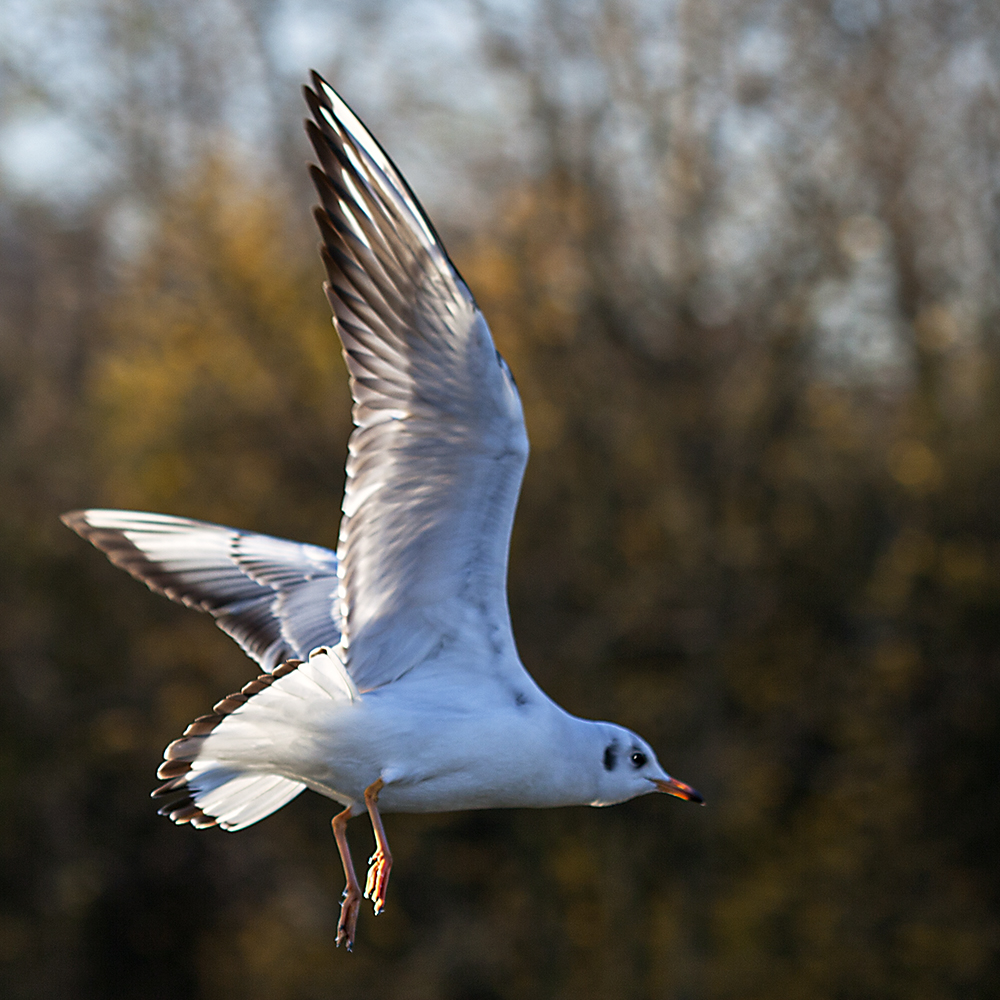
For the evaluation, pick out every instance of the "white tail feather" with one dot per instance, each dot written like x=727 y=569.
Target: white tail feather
x=237 y=800
x=221 y=765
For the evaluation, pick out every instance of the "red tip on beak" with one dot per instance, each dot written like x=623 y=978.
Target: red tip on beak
x=674 y=787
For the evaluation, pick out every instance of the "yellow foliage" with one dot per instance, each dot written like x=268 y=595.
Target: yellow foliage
x=221 y=365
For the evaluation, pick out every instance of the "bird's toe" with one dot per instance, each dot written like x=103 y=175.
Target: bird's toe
x=348 y=922
x=378 y=879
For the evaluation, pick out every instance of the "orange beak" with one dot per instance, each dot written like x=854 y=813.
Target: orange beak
x=674 y=787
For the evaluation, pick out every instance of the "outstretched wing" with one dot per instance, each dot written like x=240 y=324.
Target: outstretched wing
x=439 y=449
x=277 y=599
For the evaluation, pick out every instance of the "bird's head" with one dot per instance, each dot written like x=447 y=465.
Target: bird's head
x=627 y=767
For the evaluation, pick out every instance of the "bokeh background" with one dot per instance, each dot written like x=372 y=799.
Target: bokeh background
x=742 y=256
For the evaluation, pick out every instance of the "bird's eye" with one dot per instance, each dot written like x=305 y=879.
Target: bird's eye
x=638 y=758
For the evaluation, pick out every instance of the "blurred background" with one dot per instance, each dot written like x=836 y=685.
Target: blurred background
x=742 y=256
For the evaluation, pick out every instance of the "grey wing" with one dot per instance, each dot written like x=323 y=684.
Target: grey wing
x=439 y=448
x=277 y=599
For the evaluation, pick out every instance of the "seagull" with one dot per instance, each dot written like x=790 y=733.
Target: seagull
x=391 y=681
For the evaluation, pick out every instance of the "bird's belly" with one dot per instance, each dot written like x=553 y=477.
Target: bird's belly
x=433 y=757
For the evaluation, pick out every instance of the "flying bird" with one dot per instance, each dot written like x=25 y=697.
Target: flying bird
x=391 y=679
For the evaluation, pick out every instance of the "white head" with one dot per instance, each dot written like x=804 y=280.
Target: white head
x=627 y=767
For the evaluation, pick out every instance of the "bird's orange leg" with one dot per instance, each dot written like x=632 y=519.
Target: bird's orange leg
x=381 y=860
x=352 y=894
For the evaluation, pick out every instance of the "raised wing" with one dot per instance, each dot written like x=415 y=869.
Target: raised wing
x=277 y=599
x=437 y=457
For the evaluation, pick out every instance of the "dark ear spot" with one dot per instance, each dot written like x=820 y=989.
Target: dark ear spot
x=520 y=698
x=610 y=756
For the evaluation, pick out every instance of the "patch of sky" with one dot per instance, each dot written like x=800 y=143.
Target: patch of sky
x=625 y=153
x=427 y=32
x=661 y=61
x=43 y=156
x=434 y=100
x=748 y=225
x=580 y=83
x=859 y=329
x=57 y=50
x=972 y=68
x=763 y=50
x=306 y=34
x=856 y=17
x=747 y=135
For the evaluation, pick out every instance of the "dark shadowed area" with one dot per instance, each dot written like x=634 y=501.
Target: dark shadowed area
x=742 y=258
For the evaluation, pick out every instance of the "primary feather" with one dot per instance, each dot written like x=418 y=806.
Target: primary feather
x=438 y=454
x=277 y=599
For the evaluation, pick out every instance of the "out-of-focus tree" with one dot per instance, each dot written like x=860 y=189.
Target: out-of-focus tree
x=743 y=262
x=220 y=326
